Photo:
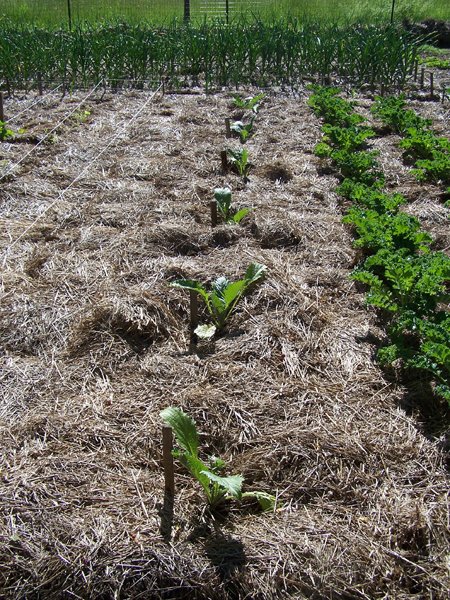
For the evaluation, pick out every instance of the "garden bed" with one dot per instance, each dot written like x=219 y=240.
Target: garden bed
x=96 y=344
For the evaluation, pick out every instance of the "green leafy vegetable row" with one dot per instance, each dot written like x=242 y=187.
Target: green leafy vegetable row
x=429 y=153
x=407 y=281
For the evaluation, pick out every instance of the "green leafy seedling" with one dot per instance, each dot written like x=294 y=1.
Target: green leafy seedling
x=243 y=130
x=5 y=132
x=239 y=160
x=250 y=103
x=216 y=487
x=223 y=297
x=228 y=214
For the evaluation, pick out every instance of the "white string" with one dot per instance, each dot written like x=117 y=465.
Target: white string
x=12 y=119
x=72 y=183
x=47 y=135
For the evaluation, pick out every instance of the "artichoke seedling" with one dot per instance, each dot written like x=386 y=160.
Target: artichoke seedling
x=222 y=197
x=223 y=297
x=216 y=488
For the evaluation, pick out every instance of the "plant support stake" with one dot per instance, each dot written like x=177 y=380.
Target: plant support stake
x=224 y=159
x=2 y=114
x=431 y=85
x=169 y=480
x=227 y=128
x=193 y=318
x=213 y=207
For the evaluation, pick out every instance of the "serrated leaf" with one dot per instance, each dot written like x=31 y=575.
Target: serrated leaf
x=217 y=295
x=223 y=199
x=197 y=468
x=183 y=427
x=232 y=484
x=254 y=272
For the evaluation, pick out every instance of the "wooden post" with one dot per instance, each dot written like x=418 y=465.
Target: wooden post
x=422 y=78
x=213 y=207
x=416 y=68
x=224 y=159
x=227 y=128
x=431 y=85
x=193 y=317
x=39 y=83
x=169 y=479
x=2 y=114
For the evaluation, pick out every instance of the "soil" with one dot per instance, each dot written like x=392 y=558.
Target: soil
x=97 y=219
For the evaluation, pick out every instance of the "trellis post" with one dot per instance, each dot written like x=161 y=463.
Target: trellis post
x=392 y=11
x=187 y=10
x=69 y=13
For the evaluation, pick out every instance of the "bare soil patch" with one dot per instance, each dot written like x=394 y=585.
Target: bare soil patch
x=95 y=344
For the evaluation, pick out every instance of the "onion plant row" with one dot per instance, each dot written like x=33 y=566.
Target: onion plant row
x=407 y=280
x=243 y=52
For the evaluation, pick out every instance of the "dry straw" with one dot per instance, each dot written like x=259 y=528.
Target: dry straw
x=95 y=345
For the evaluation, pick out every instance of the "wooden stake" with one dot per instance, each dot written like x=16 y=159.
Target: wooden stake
x=422 y=77
x=39 y=82
x=169 y=479
x=193 y=317
x=416 y=68
x=2 y=114
x=224 y=159
x=227 y=128
x=431 y=85
x=213 y=207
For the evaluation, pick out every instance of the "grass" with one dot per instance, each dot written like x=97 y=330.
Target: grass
x=54 y=12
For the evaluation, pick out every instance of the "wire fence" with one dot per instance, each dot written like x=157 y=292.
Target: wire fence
x=70 y=12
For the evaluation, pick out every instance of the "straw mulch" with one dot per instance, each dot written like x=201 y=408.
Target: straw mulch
x=95 y=344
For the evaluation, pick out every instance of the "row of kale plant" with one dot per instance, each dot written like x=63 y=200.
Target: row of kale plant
x=429 y=153
x=407 y=280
